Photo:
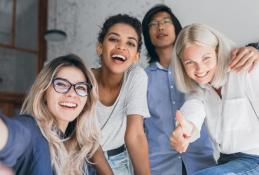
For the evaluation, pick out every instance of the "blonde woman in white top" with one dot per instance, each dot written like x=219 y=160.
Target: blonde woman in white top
x=227 y=101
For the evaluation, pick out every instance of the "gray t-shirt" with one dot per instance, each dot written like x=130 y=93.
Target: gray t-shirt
x=132 y=99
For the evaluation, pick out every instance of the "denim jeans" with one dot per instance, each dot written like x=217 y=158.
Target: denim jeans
x=120 y=163
x=234 y=164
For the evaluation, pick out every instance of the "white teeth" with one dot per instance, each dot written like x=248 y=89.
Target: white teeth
x=119 y=56
x=201 y=75
x=67 y=104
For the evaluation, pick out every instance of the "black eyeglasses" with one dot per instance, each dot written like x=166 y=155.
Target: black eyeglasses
x=62 y=86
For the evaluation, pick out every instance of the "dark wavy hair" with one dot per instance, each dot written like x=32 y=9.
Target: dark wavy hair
x=151 y=53
x=121 y=18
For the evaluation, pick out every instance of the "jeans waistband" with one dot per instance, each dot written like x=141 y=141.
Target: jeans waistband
x=224 y=158
x=116 y=151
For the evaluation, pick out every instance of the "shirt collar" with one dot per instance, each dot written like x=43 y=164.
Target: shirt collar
x=156 y=65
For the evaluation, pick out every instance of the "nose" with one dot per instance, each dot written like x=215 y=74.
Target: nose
x=160 y=25
x=200 y=67
x=121 y=46
x=71 y=92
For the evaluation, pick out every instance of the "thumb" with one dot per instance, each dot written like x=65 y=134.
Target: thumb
x=183 y=123
x=180 y=119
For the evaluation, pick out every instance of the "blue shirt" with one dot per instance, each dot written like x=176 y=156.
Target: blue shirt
x=163 y=101
x=26 y=151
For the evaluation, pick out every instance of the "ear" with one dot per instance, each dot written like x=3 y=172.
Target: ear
x=136 y=59
x=99 y=49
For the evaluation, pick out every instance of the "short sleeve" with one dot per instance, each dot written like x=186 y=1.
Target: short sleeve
x=136 y=92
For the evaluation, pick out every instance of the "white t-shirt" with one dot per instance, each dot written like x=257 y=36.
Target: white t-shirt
x=233 y=120
x=132 y=99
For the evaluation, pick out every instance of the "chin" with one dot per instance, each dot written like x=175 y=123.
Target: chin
x=202 y=82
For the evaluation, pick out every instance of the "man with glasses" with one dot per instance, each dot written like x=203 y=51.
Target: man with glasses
x=160 y=29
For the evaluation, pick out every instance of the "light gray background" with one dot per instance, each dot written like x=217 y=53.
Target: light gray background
x=238 y=19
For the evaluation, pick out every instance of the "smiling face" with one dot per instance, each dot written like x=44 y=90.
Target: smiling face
x=161 y=30
x=200 y=63
x=119 y=48
x=66 y=107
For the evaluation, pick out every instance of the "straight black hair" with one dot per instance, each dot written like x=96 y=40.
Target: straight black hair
x=151 y=52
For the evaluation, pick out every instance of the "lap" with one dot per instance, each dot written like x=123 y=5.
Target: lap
x=120 y=164
x=239 y=164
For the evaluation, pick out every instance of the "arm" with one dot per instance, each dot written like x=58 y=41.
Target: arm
x=244 y=58
x=4 y=170
x=100 y=163
x=251 y=86
x=189 y=121
x=3 y=134
x=12 y=140
x=137 y=145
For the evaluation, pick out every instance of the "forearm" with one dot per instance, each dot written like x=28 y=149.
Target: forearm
x=138 y=152
x=137 y=146
x=3 y=134
x=100 y=163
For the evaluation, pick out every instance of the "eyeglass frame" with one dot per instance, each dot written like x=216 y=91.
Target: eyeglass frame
x=157 y=23
x=88 y=85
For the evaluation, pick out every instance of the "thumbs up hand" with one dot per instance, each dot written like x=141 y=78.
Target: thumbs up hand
x=180 y=137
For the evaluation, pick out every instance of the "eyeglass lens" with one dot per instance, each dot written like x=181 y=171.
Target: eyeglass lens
x=63 y=86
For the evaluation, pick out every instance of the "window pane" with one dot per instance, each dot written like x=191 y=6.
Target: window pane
x=26 y=24
x=6 y=13
x=18 y=70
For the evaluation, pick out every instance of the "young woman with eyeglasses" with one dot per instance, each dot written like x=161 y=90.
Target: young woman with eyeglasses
x=57 y=117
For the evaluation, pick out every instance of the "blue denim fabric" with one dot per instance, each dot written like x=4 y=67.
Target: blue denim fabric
x=120 y=163
x=90 y=169
x=234 y=164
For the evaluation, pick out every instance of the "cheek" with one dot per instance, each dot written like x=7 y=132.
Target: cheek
x=189 y=70
x=212 y=66
x=51 y=98
x=83 y=103
x=172 y=33
x=152 y=35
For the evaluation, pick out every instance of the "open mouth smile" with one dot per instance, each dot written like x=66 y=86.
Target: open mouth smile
x=68 y=105
x=119 y=57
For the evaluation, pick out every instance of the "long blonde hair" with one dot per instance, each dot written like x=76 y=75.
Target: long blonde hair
x=68 y=156
x=202 y=35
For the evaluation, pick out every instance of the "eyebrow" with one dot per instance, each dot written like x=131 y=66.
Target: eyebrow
x=61 y=78
x=129 y=37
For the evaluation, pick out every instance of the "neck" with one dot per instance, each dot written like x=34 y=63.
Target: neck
x=218 y=91
x=109 y=85
x=165 y=55
x=108 y=80
x=62 y=126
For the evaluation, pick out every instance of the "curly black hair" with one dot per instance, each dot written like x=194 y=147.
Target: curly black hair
x=121 y=18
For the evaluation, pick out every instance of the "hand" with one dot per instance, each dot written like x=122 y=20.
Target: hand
x=180 y=138
x=244 y=58
x=4 y=170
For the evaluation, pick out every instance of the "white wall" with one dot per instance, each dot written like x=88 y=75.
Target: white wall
x=238 y=19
